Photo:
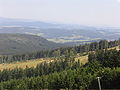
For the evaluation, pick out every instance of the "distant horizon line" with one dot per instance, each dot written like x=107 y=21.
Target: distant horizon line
x=57 y=22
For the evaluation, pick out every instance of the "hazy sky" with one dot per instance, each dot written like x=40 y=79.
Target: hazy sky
x=86 y=12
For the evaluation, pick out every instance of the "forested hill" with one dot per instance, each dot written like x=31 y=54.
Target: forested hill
x=23 y=43
x=69 y=51
x=67 y=73
x=70 y=34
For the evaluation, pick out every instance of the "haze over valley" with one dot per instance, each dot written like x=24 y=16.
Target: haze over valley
x=78 y=34
x=59 y=44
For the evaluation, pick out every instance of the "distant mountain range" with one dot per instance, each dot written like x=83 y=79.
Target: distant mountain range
x=60 y=33
x=23 y=43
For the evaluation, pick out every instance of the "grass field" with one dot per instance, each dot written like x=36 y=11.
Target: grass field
x=117 y=48
x=82 y=59
x=24 y=64
x=33 y=63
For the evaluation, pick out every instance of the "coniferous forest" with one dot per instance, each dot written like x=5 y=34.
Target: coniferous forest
x=103 y=44
x=65 y=72
x=59 y=44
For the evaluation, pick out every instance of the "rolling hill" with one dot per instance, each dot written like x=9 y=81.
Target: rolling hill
x=23 y=43
x=78 y=34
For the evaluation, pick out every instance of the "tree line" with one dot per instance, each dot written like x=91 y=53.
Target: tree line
x=83 y=78
x=108 y=58
x=66 y=73
x=103 y=44
x=41 y=69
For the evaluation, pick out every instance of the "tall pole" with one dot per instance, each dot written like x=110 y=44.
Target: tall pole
x=99 y=83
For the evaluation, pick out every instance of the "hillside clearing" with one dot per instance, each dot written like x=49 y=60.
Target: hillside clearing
x=83 y=59
x=34 y=63
x=117 y=48
x=24 y=64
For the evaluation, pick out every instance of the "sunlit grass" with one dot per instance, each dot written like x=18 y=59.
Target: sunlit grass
x=24 y=64
x=82 y=59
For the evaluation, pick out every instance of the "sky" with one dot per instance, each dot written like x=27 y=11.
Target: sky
x=85 y=12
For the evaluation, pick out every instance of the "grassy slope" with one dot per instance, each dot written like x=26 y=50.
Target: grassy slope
x=33 y=63
x=83 y=59
x=117 y=48
x=24 y=64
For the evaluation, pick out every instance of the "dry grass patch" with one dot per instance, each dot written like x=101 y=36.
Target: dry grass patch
x=24 y=64
x=34 y=63
x=82 y=59
x=117 y=48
